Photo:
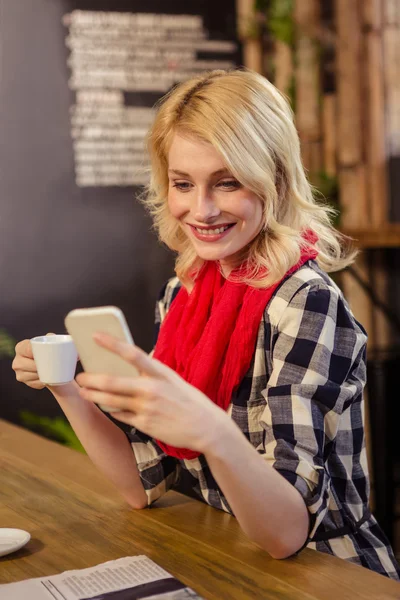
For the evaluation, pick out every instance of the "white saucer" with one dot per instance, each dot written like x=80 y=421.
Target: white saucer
x=12 y=540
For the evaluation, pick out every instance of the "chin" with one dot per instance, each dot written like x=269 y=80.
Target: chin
x=211 y=254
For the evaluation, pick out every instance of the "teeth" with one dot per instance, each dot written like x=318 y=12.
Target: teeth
x=212 y=231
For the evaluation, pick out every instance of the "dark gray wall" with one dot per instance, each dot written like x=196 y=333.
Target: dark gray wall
x=63 y=247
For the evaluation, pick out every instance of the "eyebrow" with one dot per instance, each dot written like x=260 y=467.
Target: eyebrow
x=183 y=174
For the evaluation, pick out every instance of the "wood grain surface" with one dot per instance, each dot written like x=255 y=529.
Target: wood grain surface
x=77 y=520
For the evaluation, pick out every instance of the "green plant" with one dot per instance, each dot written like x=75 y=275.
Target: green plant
x=280 y=21
x=326 y=184
x=7 y=345
x=278 y=18
x=56 y=428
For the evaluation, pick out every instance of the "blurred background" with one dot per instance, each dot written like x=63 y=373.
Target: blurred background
x=78 y=82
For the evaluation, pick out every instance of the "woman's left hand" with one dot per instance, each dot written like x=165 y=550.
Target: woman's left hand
x=158 y=402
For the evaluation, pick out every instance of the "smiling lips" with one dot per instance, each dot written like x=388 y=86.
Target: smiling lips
x=211 y=234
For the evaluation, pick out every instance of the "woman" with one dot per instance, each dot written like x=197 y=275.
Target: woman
x=253 y=395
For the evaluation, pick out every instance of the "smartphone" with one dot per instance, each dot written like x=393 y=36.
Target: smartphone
x=82 y=323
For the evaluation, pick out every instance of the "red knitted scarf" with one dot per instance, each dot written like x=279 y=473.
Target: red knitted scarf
x=209 y=336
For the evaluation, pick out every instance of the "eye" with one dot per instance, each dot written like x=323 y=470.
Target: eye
x=229 y=184
x=182 y=185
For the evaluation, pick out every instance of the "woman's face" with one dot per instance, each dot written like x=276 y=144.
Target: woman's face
x=218 y=214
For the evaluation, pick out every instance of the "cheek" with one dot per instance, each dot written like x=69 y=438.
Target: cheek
x=249 y=210
x=176 y=204
x=258 y=213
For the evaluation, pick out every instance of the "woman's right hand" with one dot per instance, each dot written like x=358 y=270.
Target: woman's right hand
x=25 y=367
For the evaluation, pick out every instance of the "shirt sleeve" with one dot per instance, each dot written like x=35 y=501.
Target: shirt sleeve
x=158 y=471
x=317 y=357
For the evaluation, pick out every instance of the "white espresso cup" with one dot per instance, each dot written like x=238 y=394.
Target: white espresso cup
x=55 y=357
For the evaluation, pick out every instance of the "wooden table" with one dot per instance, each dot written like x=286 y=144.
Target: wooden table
x=78 y=520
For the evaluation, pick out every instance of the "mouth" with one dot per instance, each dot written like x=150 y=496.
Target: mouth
x=211 y=234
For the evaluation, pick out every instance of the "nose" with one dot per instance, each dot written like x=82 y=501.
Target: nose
x=205 y=208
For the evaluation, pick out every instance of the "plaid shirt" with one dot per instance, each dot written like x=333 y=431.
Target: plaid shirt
x=301 y=406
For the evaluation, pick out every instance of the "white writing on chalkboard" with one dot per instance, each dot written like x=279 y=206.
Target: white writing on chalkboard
x=112 y=53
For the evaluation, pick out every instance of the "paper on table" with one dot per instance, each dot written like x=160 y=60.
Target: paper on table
x=128 y=578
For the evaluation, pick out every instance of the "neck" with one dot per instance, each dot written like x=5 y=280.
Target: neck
x=225 y=268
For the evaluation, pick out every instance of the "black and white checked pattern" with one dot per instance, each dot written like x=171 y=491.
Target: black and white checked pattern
x=301 y=406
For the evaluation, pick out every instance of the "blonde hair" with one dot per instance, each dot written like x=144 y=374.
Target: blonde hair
x=250 y=123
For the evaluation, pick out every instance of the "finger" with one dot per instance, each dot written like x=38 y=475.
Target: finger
x=134 y=355
x=25 y=377
x=24 y=364
x=126 y=386
x=127 y=417
x=123 y=403
x=36 y=385
x=24 y=348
